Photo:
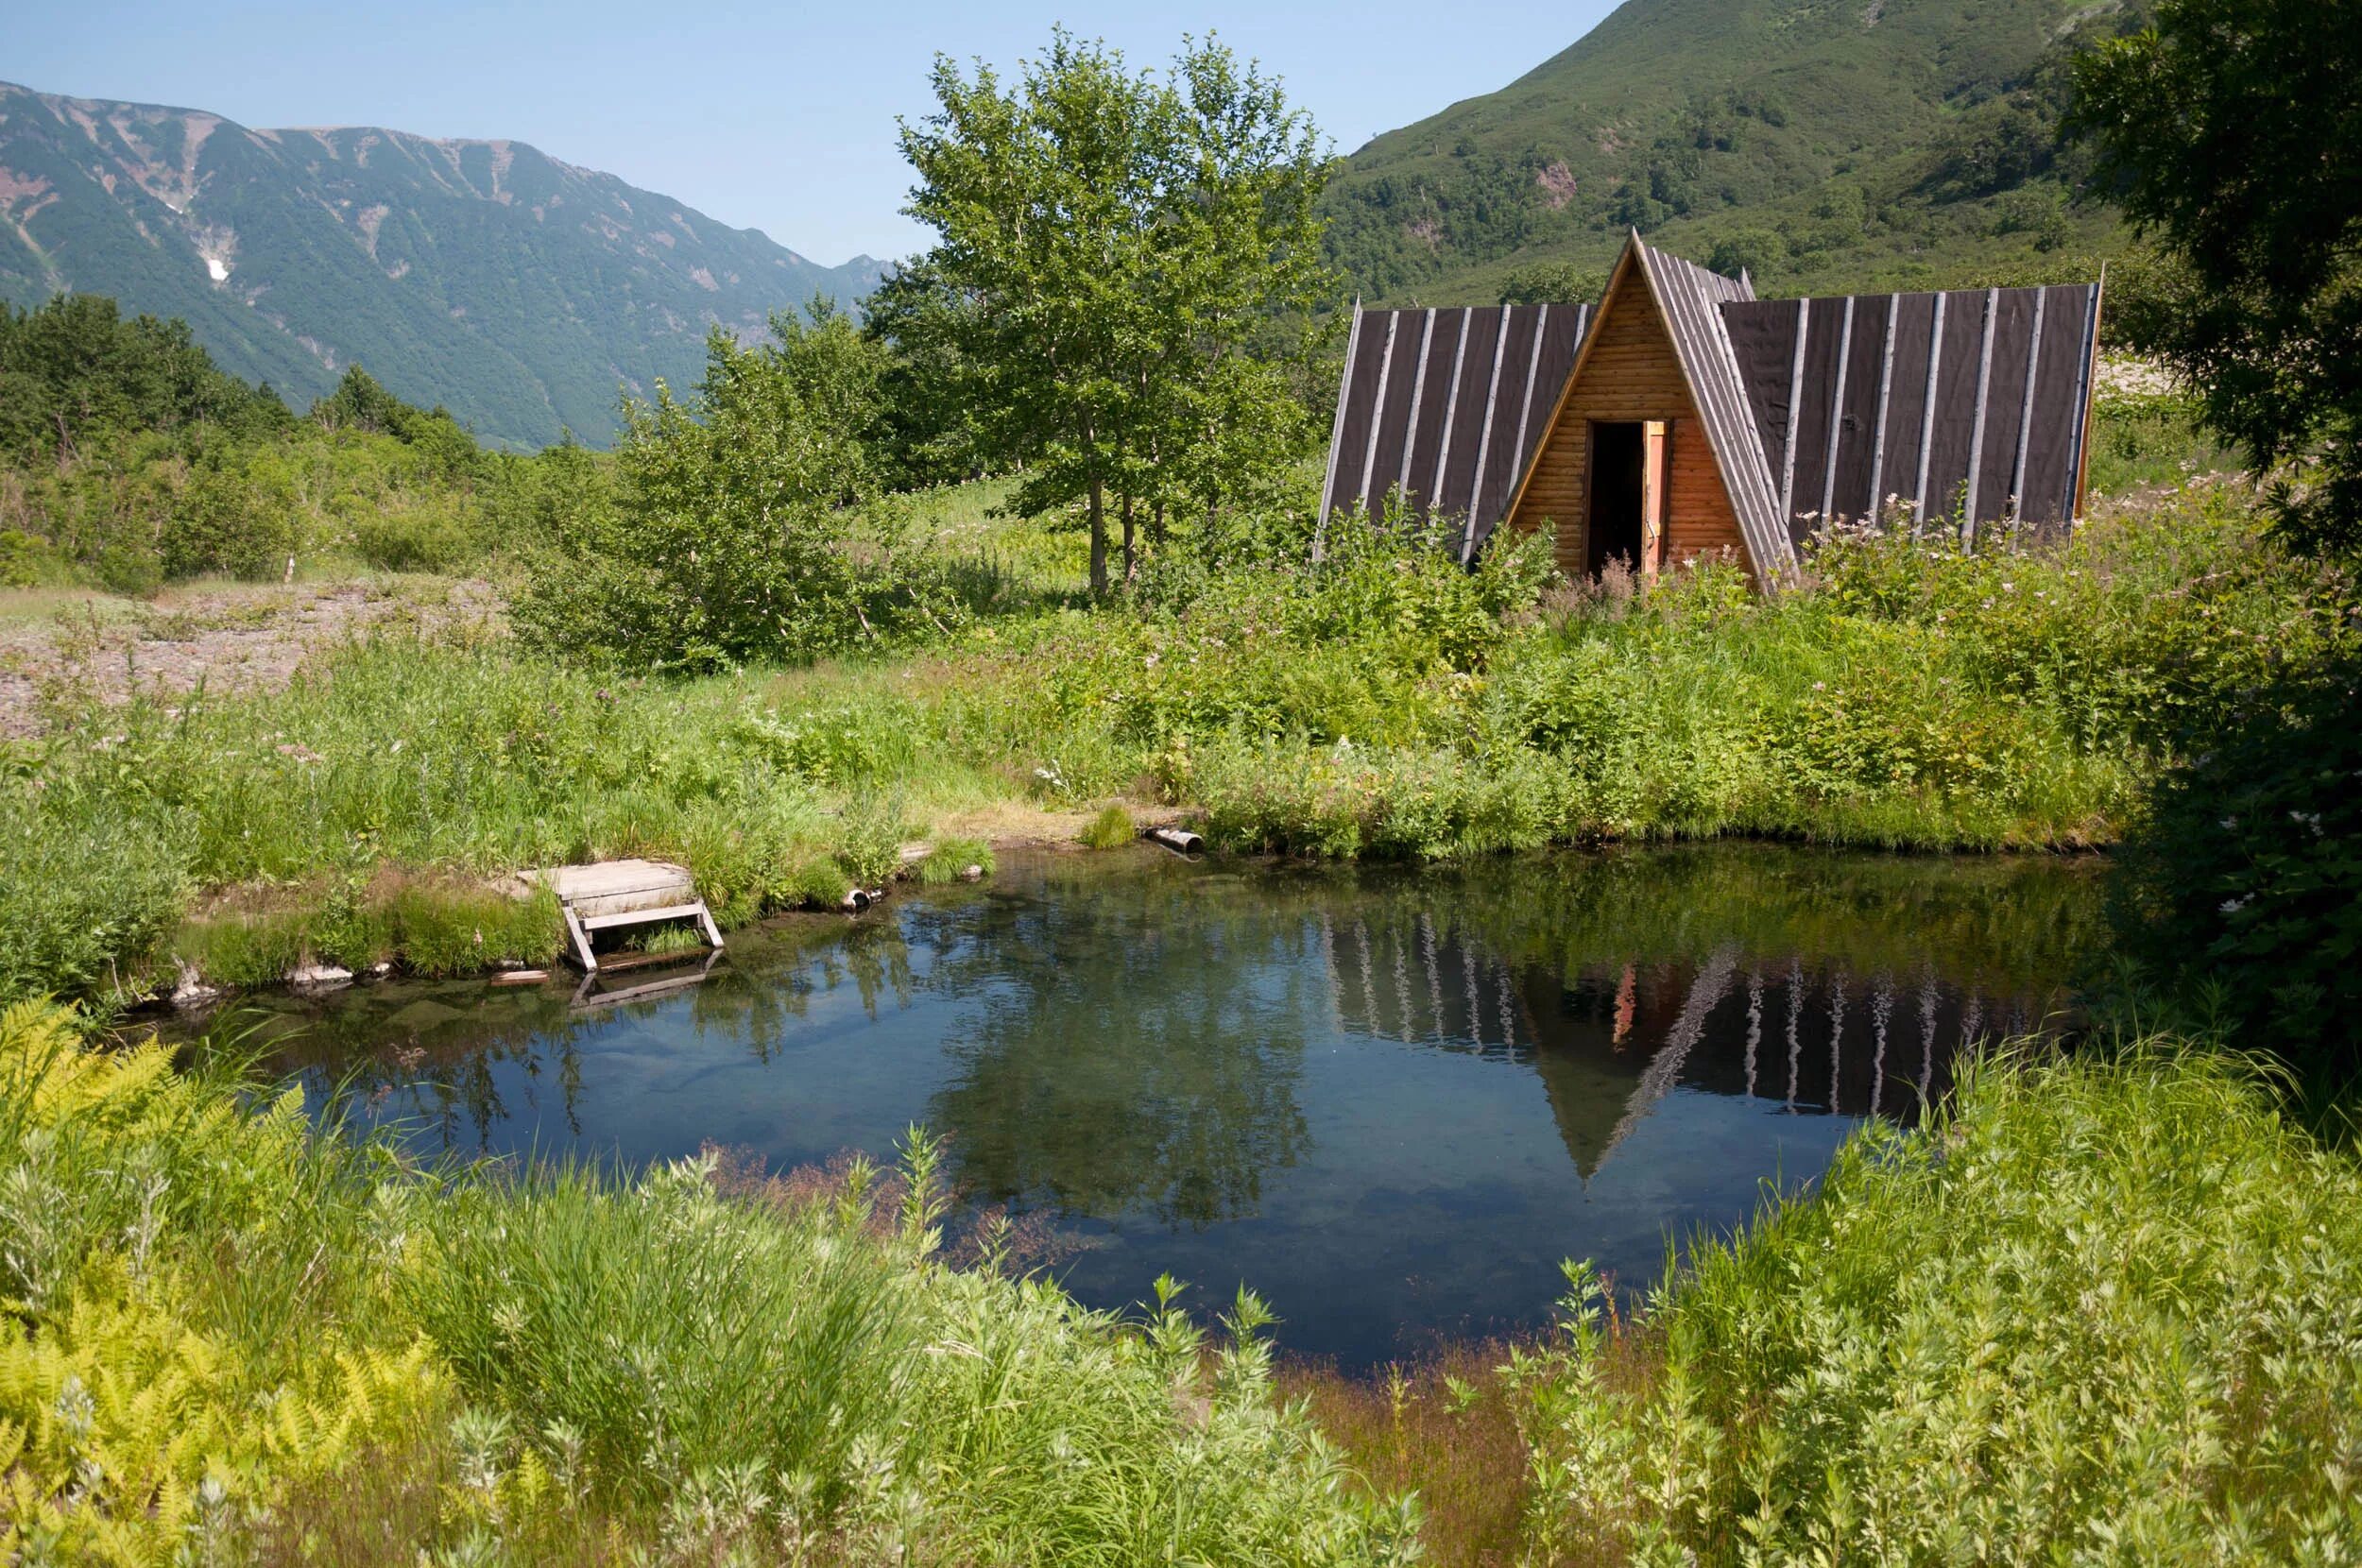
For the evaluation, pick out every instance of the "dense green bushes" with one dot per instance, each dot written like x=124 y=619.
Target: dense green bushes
x=2242 y=893
x=2102 y=1307
x=73 y=372
x=731 y=536
x=83 y=899
x=127 y=458
x=1909 y=695
x=234 y=1333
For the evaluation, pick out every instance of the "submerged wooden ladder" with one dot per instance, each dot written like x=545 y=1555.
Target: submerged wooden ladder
x=620 y=893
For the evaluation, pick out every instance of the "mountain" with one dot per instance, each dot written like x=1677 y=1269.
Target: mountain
x=1823 y=144
x=518 y=291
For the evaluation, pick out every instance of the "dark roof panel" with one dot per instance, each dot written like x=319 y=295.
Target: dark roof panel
x=1918 y=395
x=1446 y=404
x=1453 y=480
x=2062 y=396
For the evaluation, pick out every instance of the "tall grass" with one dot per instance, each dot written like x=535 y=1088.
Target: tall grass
x=2105 y=1307
x=230 y=1323
x=1379 y=703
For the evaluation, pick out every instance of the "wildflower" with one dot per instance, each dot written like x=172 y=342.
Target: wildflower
x=2233 y=906
x=2230 y=823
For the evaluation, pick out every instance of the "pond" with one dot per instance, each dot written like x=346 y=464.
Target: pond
x=1390 y=1101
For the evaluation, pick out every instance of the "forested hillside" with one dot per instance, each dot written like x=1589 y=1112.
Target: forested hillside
x=515 y=290
x=1820 y=144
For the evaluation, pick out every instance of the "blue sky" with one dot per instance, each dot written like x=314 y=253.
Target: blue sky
x=772 y=118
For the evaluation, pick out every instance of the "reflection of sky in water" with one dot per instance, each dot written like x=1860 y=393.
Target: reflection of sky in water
x=1391 y=1102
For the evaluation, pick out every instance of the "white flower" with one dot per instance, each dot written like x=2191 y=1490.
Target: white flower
x=2233 y=906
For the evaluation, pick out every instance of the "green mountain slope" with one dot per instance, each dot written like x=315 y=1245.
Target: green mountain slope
x=518 y=291
x=1824 y=143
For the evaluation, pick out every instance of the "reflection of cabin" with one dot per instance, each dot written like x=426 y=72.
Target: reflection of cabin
x=1610 y=1041
x=1686 y=418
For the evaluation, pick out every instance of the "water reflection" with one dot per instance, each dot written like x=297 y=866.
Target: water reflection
x=1391 y=1101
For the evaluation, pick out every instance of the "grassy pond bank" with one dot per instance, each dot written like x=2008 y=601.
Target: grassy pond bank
x=537 y=1284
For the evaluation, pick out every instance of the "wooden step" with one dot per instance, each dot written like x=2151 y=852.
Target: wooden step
x=609 y=894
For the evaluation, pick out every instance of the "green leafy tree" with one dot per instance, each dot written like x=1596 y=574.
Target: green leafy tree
x=725 y=539
x=1554 y=284
x=838 y=374
x=73 y=372
x=2231 y=131
x=1751 y=250
x=929 y=431
x=1117 y=257
x=361 y=402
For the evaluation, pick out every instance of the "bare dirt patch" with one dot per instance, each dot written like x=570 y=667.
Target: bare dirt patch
x=1024 y=824
x=231 y=636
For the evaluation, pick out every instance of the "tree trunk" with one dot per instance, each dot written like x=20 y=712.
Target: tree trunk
x=1099 y=539
x=1131 y=558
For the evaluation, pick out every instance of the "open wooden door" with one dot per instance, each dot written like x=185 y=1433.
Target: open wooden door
x=1655 y=452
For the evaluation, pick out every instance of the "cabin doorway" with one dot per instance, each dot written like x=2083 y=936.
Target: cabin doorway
x=1627 y=515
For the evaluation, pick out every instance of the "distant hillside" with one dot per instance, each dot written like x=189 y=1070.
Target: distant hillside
x=518 y=291
x=1823 y=144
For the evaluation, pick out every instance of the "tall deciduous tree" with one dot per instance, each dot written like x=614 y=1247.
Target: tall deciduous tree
x=1120 y=260
x=2232 y=132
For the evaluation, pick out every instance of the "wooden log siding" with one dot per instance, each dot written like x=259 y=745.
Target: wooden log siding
x=1630 y=373
x=1442 y=407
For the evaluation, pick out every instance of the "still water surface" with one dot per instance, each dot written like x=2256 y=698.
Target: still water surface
x=1391 y=1101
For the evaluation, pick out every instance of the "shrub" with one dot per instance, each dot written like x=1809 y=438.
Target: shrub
x=416 y=533
x=2241 y=889
x=230 y=1329
x=84 y=901
x=1112 y=829
x=2101 y=1300
x=233 y=517
x=727 y=542
x=948 y=860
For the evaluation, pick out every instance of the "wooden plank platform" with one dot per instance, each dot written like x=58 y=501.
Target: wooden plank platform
x=619 y=893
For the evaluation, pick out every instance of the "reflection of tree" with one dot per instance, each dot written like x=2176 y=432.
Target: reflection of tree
x=1140 y=1052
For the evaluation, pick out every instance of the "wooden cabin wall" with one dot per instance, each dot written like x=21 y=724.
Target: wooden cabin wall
x=1630 y=374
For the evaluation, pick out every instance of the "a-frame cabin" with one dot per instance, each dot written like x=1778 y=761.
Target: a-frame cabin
x=1691 y=419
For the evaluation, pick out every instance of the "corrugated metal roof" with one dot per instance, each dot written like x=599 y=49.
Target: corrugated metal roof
x=1440 y=409
x=1839 y=391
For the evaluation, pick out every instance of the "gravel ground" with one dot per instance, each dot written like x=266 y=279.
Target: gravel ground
x=231 y=637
